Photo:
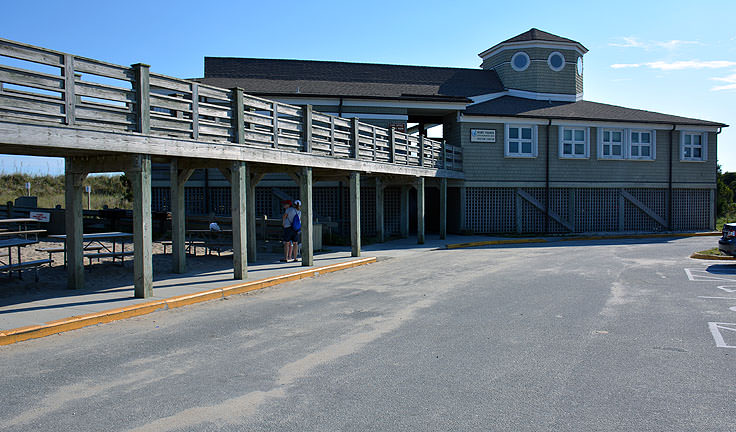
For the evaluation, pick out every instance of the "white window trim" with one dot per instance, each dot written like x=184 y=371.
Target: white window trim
x=549 y=61
x=561 y=141
x=703 y=143
x=506 y=152
x=653 y=150
x=624 y=134
x=528 y=61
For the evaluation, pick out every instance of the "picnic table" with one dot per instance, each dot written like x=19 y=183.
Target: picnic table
x=212 y=240
x=6 y=258
x=20 y=228
x=98 y=244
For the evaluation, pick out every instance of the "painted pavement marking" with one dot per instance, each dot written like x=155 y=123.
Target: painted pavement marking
x=718 y=329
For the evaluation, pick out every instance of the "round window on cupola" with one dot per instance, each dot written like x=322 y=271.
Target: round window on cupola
x=556 y=61
x=520 y=61
x=580 y=66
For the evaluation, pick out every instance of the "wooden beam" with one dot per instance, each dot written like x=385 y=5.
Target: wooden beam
x=250 y=195
x=74 y=222
x=195 y=111
x=522 y=193
x=355 y=137
x=70 y=99
x=644 y=208
x=404 y=212
x=355 y=213
x=142 y=234
x=226 y=173
x=307 y=129
x=380 y=223
x=239 y=174
x=177 y=179
x=420 y=210
x=307 y=218
x=238 y=116
x=142 y=88
x=443 y=209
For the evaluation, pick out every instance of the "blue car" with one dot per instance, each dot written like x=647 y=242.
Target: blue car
x=727 y=242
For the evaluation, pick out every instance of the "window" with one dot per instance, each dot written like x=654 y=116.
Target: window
x=641 y=144
x=556 y=61
x=579 y=66
x=611 y=144
x=693 y=146
x=521 y=141
x=573 y=142
x=520 y=61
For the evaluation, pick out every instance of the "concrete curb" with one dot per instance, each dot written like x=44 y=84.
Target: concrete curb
x=581 y=238
x=8 y=337
x=697 y=255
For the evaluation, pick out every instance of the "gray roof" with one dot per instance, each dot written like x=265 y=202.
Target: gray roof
x=336 y=79
x=535 y=34
x=507 y=106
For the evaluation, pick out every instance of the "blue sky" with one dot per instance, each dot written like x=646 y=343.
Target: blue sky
x=677 y=57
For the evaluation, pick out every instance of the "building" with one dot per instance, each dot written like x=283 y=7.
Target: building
x=537 y=157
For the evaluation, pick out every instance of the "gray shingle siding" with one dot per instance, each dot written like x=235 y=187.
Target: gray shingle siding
x=538 y=77
x=485 y=162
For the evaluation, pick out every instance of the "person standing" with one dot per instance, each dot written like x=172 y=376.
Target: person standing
x=296 y=226
x=290 y=235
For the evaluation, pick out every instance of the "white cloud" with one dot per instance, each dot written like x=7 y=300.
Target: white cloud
x=678 y=65
x=730 y=81
x=633 y=42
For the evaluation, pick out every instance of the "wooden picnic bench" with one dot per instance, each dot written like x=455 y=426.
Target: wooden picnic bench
x=61 y=249
x=191 y=246
x=27 y=265
x=22 y=232
x=114 y=255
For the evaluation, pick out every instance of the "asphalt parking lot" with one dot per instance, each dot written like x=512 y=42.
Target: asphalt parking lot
x=624 y=335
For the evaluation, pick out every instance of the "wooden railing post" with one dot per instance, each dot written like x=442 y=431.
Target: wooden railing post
x=307 y=128
x=375 y=144
x=392 y=144
x=332 y=135
x=237 y=120
x=356 y=137
x=443 y=153
x=195 y=111
x=421 y=150
x=275 y=125
x=70 y=99
x=143 y=97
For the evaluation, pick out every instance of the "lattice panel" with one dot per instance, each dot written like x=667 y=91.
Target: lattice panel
x=596 y=210
x=220 y=200
x=635 y=219
x=161 y=199
x=264 y=204
x=490 y=210
x=194 y=200
x=368 y=211
x=692 y=209
x=560 y=204
x=533 y=218
x=392 y=210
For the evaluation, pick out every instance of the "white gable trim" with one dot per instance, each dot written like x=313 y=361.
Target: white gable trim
x=470 y=118
x=558 y=97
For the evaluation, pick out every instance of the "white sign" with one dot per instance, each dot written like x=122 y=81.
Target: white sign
x=40 y=216
x=483 y=135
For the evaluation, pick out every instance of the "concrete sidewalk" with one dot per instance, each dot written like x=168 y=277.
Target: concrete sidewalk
x=45 y=304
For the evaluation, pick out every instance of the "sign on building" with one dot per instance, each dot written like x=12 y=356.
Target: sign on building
x=483 y=135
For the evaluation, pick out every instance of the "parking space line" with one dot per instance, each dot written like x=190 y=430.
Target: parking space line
x=715 y=330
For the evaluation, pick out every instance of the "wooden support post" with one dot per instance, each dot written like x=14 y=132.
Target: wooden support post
x=238 y=117
x=307 y=128
x=420 y=210
x=238 y=174
x=571 y=208
x=307 y=218
x=404 y=212
x=421 y=149
x=392 y=144
x=332 y=135
x=519 y=210
x=195 y=111
x=621 y=210
x=142 y=87
x=140 y=176
x=70 y=99
x=74 y=221
x=443 y=208
x=380 y=226
x=253 y=179
x=178 y=178
x=463 y=208
x=275 y=125
x=355 y=137
x=355 y=213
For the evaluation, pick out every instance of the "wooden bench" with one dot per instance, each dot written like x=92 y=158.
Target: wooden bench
x=53 y=250
x=218 y=247
x=113 y=255
x=191 y=246
x=28 y=265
